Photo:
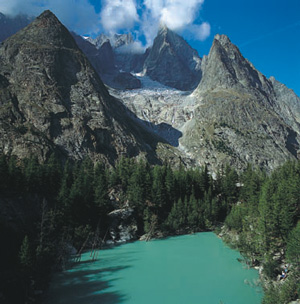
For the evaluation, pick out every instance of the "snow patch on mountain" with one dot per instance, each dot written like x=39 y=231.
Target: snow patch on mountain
x=162 y=109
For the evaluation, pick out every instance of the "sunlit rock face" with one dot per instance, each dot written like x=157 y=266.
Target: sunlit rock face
x=241 y=116
x=52 y=99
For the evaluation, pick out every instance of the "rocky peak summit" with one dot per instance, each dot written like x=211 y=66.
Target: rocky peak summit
x=172 y=61
x=163 y=30
x=98 y=41
x=119 y=40
x=44 y=29
x=225 y=67
x=116 y=41
x=241 y=115
x=223 y=39
x=53 y=100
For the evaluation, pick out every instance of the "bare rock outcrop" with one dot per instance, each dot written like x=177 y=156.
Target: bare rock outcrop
x=52 y=99
x=172 y=62
x=240 y=116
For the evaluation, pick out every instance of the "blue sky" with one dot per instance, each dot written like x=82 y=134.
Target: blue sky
x=266 y=31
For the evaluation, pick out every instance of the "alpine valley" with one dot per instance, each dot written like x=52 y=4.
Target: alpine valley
x=102 y=142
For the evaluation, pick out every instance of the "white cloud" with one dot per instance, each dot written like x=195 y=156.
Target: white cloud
x=175 y=14
x=154 y=7
x=15 y=7
x=200 y=32
x=79 y=15
x=119 y=14
x=135 y=48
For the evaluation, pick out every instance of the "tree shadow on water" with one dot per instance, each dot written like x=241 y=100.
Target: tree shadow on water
x=84 y=287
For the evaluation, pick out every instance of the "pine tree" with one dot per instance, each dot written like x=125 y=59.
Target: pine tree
x=170 y=190
x=52 y=175
x=81 y=196
x=251 y=183
x=4 y=174
x=64 y=191
x=267 y=218
x=124 y=169
x=33 y=175
x=229 y=185
x=101 y=198
x=158 y=188
x=293 y=247
x=16 y=180
x=25 y=256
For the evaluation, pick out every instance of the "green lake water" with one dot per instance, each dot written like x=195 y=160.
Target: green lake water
x=187 y=269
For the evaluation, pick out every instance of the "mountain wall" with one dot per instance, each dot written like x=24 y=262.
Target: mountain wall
x=172 y=62
x=52 y=99
x=241 y=116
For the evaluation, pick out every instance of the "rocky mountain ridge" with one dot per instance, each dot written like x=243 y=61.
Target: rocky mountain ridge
x=52 y=100
x=240 y=117
x=102 y=57
x=170 y=61
x=235 y=115
x=116 y=41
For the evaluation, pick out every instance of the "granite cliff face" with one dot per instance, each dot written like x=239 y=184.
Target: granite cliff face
x=53 y=100
x=172 y=62
x=241 y=116
x=287 y=104
x=226 y=68
x=235 y=116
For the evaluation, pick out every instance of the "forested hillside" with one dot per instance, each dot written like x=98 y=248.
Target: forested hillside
x=48 y=209
x=266 y=219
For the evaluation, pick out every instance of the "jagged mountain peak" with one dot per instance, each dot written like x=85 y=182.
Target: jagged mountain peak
x=119 y=40
x=55 y=101
x=169 y=35
x=46 y=29
x=225 y=67
x=242 y=116
x=223 y=39
x=116 y=41
x=163 y=30
x=47 y=14
x=99 y=40
x=46 y=20
x=172 y=61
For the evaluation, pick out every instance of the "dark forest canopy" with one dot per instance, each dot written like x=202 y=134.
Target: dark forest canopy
x=60 y=205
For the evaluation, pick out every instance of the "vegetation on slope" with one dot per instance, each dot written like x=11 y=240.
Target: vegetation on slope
x=266 y=219
x=60 y=205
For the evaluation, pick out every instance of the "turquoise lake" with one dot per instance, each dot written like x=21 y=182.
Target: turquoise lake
x=187 y=269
